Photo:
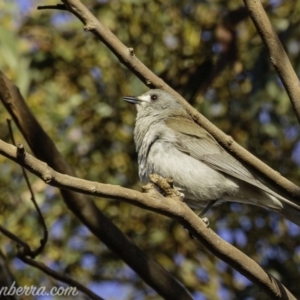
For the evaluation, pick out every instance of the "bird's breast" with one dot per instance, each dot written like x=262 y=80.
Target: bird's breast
x=157 y=154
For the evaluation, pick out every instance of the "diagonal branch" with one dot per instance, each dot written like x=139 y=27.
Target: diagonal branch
x=171 y=207
x=278 y=56
x=74 y=285
x=127 y=57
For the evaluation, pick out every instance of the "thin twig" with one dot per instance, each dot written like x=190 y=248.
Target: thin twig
x=43 y=241
x=57 y=6
x=16 y=239
x=277 y=54
x=63 y=278
x=24 y=252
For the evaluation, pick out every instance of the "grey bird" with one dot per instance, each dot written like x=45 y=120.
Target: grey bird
x=170 y=143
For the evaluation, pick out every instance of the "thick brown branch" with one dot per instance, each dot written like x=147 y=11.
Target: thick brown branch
x=127 y=57
x=276 y=51
x=166 y=206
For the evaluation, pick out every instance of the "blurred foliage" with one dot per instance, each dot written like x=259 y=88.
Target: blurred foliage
x=210 y=52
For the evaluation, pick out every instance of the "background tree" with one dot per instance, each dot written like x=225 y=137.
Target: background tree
x=212 y=55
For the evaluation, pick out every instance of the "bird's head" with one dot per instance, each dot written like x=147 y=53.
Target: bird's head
x=156 y=102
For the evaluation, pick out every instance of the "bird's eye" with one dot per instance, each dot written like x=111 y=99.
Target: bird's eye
x=153 y=97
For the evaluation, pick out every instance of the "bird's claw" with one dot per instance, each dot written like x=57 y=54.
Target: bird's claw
x=180 y=195
x=206 y=221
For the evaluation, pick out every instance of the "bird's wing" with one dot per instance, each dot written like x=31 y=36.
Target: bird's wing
x=195 y=141
x=198 y=143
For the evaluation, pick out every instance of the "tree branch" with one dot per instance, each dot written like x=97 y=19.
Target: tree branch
x=278 y=56
x=44 y=240
x=170 y=207
x=127 y=57
x=63 y=278
x=25 y=254
x=6 y=278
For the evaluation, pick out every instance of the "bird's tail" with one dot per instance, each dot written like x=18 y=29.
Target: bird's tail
x=287 y=207
x=289 y=210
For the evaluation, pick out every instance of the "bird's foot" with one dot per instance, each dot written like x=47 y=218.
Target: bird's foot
x=166 y=187
x=206 y=221
x=178 y=192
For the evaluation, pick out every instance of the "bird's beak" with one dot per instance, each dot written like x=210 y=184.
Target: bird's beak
x=132 y=100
